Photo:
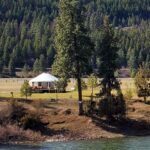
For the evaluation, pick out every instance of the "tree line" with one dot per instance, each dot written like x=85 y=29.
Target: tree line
x=26 y=34
x=26 y=31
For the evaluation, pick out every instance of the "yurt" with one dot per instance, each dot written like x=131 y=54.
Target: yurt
x=44 y=82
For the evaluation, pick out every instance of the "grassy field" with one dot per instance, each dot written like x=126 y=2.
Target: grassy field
x=8 y=85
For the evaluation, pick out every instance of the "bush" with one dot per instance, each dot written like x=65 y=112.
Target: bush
x=114 y=106
x=90 y=108
x=142 y=81
x=31 y=121
x=128 y=94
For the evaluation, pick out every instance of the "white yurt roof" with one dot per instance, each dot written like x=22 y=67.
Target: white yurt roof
x=44 y=77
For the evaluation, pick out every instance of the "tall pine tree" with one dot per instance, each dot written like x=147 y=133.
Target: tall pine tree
x=72 y=44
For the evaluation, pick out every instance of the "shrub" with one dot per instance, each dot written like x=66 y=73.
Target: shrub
x=128 y=94
x=142 y=82
x=90 y=108
x=113 y=106
x=32 y=121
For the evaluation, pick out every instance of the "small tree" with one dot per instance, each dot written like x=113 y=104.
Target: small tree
x=92 y=82
x=141 y=81
x=26 y=90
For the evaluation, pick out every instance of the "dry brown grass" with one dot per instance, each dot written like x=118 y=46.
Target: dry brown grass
x=71 y=126
x=12 y=133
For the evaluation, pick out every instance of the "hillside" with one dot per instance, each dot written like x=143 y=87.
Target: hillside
x=26 y=28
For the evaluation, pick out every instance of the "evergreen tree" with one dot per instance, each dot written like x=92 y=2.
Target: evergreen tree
x=6 y=53
x=50 y=55
x=1 y=66
x=25 y=70
x=36 y=68
x=72 y=44
x=132 y=62
x=148 y=61
x=42 y=63
x=26 y=31
x=11 y=67
x=111 y=105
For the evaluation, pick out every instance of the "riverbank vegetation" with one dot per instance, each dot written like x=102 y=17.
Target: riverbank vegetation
x=61 y=122
x=19 y=124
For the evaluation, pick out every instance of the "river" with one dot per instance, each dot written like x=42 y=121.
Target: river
x=134 y=143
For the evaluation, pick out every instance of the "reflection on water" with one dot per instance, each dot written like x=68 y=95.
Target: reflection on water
x=135 y=143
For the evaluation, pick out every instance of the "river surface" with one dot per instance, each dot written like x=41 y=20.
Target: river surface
x=134 y=143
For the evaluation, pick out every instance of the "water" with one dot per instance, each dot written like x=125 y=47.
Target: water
x=135 y=143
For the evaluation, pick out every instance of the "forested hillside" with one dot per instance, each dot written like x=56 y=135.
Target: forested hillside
x=25 y=32
x=26 y=28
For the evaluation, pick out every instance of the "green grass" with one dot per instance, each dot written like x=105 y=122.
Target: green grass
x=14 y=84
x=68 y=95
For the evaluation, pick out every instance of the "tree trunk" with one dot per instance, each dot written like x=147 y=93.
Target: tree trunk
x=78 y=70
x=145 y=99
x=81 y=112
x=80 y=96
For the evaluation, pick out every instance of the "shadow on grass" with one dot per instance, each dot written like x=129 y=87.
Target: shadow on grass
x=9 y=99
x=127 y=127
x=50 y=132
x=45 y=131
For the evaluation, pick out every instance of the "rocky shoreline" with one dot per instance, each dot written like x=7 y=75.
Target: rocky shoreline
x=61 y=138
